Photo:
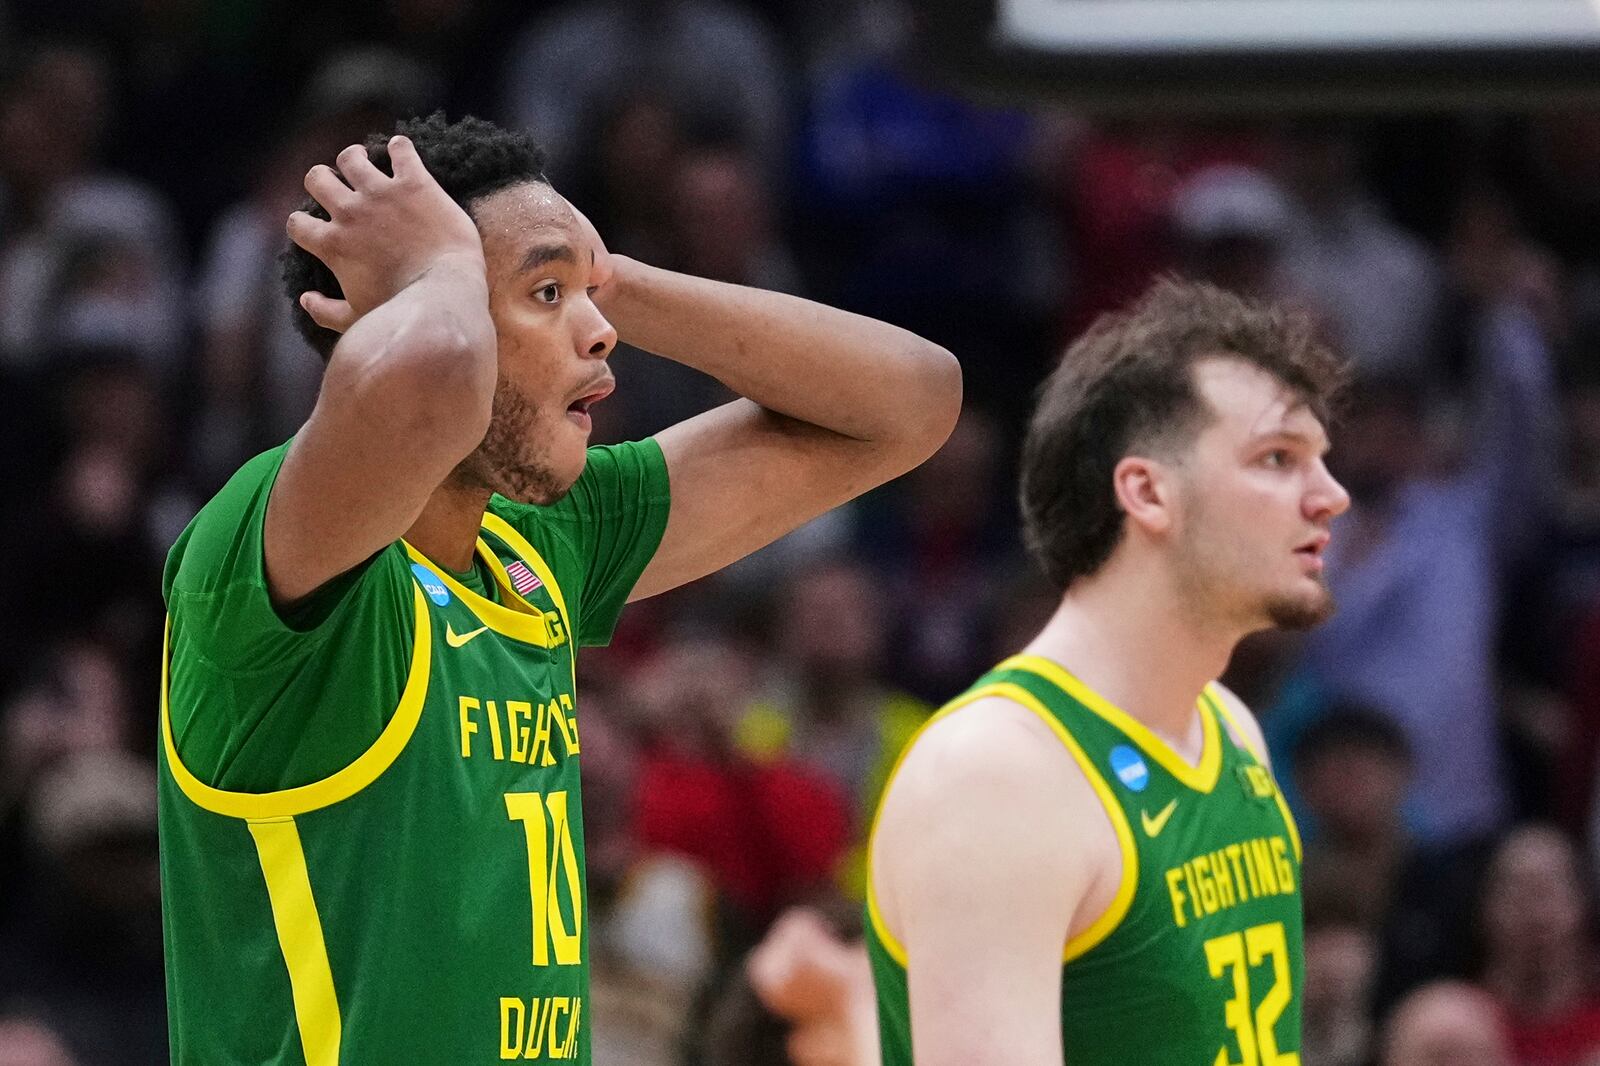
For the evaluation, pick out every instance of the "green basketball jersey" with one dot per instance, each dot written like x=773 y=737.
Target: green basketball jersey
x=1198 y=960
x=419 y=896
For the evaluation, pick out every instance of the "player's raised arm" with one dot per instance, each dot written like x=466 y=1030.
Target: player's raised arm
x=836 y=405
x=987 y=848
x=408 y=388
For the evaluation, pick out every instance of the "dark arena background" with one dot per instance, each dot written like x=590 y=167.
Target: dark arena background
x=1422 y=177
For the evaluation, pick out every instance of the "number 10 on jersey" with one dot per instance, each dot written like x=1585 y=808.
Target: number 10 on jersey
x=550 y=854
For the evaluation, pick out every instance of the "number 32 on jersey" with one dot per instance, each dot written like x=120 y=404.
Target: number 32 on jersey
x=1232 y=957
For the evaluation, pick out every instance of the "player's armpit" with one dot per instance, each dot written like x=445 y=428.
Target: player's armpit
x=986 y=850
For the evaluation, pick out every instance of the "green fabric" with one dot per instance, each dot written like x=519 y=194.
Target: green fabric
x=259 y=678
x=443 y=944
x=1222 y=987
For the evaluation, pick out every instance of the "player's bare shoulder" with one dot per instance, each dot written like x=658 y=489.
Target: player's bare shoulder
x=990 y=792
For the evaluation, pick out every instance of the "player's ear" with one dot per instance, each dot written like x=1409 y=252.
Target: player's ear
x=1147 y=493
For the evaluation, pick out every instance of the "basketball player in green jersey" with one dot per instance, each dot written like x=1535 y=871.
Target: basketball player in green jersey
x=371 y=828
x=1085 y=858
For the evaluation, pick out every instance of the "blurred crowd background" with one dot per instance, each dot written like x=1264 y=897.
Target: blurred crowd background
x=1439 y=738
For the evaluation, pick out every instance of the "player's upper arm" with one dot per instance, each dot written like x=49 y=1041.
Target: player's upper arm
x=742 y=476
x=981 y=860
x=401 y=405
x=1253 y=737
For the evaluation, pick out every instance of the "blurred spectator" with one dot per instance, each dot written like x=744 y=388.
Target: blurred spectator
x=87 y=953
x=1352 y=768
x=1446 y=1024
x=942 y=537
x=1538 y=954
x=1118 y=188
x=708 y=58
x=767 y=833
x=1231 y=222
x=914 y=203
x=1341 y=963
x=25 y=1041
x=1379 y=287
x=706 y=207
x=108 y=513
x=259 y=377
x=86 y=257
x=825 y=703
x=820 y=984
x=1418 y=563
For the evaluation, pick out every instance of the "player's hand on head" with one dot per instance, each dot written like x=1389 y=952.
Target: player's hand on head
x=382 y=231
x=604 y=267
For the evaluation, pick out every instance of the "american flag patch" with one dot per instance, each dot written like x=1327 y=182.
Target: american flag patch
x=522 y=579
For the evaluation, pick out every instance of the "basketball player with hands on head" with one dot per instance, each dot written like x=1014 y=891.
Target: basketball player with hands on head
x=372 y=845
x=1085 y=859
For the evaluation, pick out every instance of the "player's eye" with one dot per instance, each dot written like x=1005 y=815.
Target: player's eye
x=1278 y=458
x=548 y=294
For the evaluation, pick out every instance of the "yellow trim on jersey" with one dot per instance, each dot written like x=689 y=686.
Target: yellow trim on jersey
x=1260 y=756
x=342 y=785
x=1108 y=921
x=294 y=914
x=1201 y=776
x=525 y=626
x=530 y=555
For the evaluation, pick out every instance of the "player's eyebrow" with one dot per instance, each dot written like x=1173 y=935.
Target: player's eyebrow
x=540 y=254
x=1318 y=443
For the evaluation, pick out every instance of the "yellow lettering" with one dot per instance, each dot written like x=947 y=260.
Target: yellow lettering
x=1194 y=894
x=1175 y=875
x=525 y=807
x=511 y=1039
x=553 y=626
x=541 y=738
x=494 y=732
x=1233 y=853
x=1280 y=856
x=468 y=726
x=536 y=1031
x=519 y=733
x=572 y=721
x=569 y=1050
x=1262 y=854
x=556 y=715
x=1224 y=877
x=1208 y=888
x=568 y=945
x=558 y=1005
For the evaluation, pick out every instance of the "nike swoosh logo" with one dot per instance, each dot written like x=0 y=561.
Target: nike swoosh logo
x=1154 y=826
x=455 y=641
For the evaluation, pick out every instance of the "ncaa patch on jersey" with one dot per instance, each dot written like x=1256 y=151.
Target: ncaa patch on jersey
x=1130 y=768
x=431 y=584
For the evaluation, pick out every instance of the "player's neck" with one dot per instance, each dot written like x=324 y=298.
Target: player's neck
x=447 y=529
x=1128 y=642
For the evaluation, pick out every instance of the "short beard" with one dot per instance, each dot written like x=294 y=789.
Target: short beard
x=1299 y=615
x=509 y=459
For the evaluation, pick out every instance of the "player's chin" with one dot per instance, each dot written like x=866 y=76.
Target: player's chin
x=1302 y=608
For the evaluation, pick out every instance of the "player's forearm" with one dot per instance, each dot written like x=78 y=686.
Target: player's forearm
x=428 y=352
x=847 y=373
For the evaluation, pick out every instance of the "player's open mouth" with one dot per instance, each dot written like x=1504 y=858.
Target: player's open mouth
x=578 y=410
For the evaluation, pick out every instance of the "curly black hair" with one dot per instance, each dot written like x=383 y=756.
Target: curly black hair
x=469 y=159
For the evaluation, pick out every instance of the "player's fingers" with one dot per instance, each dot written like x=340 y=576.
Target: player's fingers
x=309 y=232
x=356 y=167
x=403 y=157
x=327 y=189
x=327 y=312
